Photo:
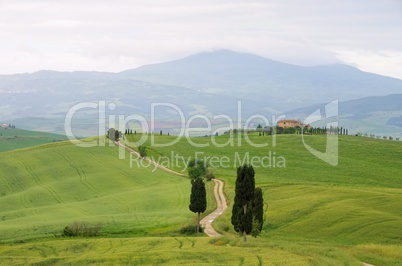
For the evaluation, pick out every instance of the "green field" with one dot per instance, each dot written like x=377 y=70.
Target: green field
x=317 y=213
x=12 y=138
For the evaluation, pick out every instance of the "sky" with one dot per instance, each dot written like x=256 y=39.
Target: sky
x=104 y=35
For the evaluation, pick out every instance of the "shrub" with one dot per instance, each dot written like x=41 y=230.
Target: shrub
x=190 y=230
x=143 y=151
x=209 y=175
x=81 y=229
x=68 y=232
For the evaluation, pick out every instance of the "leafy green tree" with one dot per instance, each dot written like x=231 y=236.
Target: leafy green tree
x=242 y=218
x=198 y=198
x=111 y=134
x=196 y=168
x=117 y=135
x=279 y=130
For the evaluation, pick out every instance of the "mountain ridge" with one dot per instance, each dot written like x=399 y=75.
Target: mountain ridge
x=208 y=83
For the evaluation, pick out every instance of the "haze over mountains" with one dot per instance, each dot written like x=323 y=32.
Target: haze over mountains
x=209 y=83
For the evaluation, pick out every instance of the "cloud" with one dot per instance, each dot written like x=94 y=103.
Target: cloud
x=113 y=36
x=387 y=63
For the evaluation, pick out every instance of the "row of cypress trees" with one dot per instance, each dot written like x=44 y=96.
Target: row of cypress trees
x=248 y=206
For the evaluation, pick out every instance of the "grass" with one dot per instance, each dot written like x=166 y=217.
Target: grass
x=357 y=202
x=316 y=214
x=362 y=161
x=12 y=138
x=46 y=188
x=171 y=251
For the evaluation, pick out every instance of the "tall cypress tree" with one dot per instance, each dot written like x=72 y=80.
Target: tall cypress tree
x=242 y=218
x=198 y=198
x=258 y=207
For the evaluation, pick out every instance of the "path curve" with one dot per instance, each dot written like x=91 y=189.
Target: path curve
x=150 y=161
x=206 y=222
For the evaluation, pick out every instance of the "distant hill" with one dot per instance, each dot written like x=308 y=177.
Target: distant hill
x=208 y=83
x=380 y=115
x=13 y=138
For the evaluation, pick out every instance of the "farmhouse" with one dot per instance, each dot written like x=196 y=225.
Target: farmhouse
x=4 y=125
x=291 y=123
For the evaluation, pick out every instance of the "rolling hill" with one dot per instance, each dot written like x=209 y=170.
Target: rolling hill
x=14 y=138
x=45 y=188
x=316 y=213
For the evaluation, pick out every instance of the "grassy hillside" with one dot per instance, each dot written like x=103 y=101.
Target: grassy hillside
x=12 y=138
x=45 y=188
x=316 y=213
x=356 y=202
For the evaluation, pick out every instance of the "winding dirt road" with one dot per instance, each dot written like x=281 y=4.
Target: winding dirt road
x=150 y=161
x=206 y=222
x=221 y=207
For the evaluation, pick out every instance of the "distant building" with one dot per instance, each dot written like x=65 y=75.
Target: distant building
x=292 y=123
x=4 y=125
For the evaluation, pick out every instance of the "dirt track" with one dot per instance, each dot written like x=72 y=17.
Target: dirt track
x=218 y=193
x=152 y=162
x=221 y=207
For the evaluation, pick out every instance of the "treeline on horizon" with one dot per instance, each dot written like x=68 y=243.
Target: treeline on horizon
x=292 y=130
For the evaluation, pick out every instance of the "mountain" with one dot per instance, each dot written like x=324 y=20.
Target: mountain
x=252 y=76
x=209 y=83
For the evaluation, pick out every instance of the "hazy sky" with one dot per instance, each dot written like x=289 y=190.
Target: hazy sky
x=106 y=35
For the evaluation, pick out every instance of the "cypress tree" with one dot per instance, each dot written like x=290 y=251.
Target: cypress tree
x=198 y=198
x=258 y=207
x=242 y=218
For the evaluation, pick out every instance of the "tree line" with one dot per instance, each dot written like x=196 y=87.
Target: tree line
x=262 y=131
